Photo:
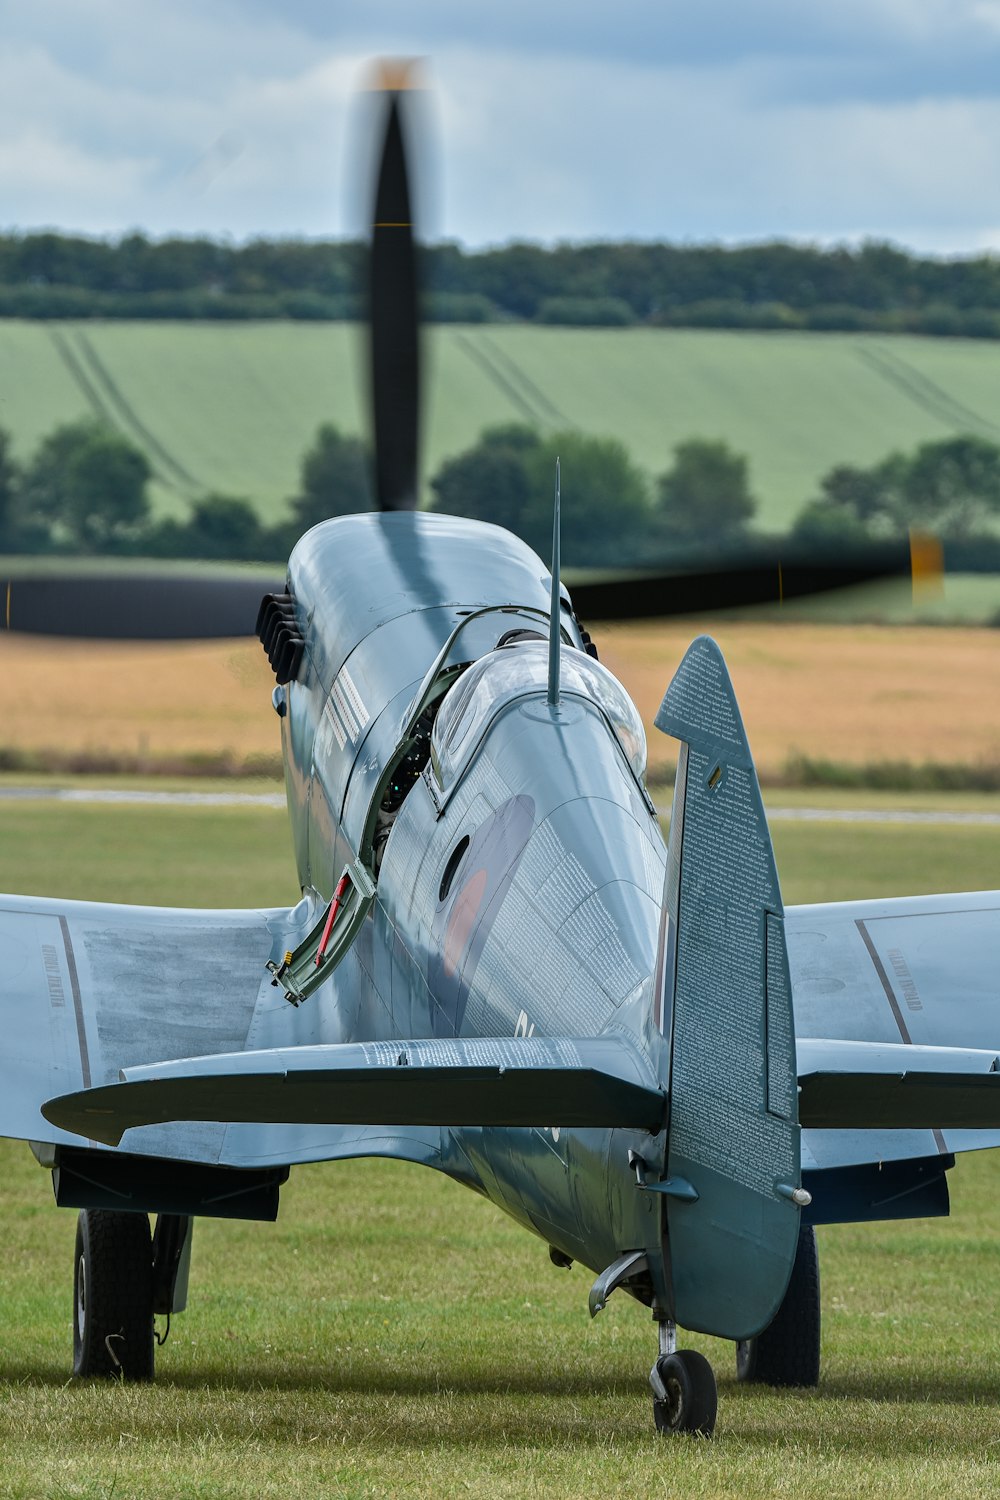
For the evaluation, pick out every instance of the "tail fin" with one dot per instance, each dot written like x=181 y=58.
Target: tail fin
x=725 y=1008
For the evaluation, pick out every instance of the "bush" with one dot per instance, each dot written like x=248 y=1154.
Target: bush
x=336 y=479
x=508 y=478
x=585 y=312
x=88 y=480
x=460 y=307
x=705 y=495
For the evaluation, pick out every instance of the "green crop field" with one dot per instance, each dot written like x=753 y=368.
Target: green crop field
x=394 y=1335
x=232 y=407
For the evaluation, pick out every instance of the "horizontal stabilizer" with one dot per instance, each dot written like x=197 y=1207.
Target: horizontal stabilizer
x=595 y=1082
x=891 y=1086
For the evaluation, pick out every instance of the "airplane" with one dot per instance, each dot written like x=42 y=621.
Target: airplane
x=498 y=968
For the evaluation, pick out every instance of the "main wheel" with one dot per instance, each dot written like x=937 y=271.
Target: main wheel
x=692 y=1399
x=113 y=1295
x=787 y=1352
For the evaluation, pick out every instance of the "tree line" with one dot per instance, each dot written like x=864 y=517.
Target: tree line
x=703 y=505
x=84 y=491
x=875 y=286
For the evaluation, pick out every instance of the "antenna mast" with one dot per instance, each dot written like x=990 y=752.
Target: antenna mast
x=555 y=608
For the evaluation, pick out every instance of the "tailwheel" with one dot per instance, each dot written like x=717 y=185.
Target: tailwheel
x=113 y=1295
x=685 y=1398
x=787 y=1352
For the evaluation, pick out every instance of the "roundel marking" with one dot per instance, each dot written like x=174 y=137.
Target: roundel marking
x=463 y=915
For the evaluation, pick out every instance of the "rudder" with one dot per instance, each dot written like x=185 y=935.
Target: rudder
x=724 y=1003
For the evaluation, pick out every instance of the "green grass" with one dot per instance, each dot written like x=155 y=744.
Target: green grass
x=836 y=798
x=233 y=407
x=170 y=856
x=241 y=856
x=963 y=598
x=852 y=861
x=394 y=1335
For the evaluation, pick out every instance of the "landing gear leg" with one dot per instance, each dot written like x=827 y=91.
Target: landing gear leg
x=113 y=1295
x=787 y=1352
x=685 y=1398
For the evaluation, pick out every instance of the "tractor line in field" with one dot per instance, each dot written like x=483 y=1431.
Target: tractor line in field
x=929 y=396
x=80 y=378
x=478 y=355
x=545 y=406
x=176 y=475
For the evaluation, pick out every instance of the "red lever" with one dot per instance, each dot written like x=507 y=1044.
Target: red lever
x=342 y=885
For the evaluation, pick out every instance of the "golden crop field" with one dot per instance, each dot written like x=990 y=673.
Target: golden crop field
x=847 y=693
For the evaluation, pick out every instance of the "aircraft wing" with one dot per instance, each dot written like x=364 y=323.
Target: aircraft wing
x=897 y=1016
x=88 y=988
x=91 y=992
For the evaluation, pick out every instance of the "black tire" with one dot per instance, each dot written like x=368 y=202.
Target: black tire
x=113 y=1295
x=787 y=1352
x=692 y=1398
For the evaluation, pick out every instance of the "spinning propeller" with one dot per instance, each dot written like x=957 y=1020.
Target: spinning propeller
x=202 y=603
x=394 y=315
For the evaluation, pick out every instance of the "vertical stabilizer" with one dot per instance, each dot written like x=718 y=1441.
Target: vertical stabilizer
x=724 y=1003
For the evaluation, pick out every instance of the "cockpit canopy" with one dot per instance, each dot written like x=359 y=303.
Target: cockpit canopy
x=520 y=670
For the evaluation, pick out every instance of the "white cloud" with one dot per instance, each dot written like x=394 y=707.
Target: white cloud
x=669 y=153
x=44 y=170
x=871 y=117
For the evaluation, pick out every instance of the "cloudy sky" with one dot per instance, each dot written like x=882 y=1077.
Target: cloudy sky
x=717 y=120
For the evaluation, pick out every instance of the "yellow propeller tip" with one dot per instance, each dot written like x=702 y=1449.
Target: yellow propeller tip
x=396 y=75
x=926 y=566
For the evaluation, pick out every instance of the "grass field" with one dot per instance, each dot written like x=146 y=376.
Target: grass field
x=241 y=856
x=394 y=1335
x=846 y=693
x=233 y=407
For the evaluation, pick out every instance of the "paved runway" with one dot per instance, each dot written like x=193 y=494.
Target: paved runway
x=179 y=799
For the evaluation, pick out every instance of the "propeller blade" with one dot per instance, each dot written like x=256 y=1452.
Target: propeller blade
x=394 y=315
x=136 y=607
x=733 y=585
